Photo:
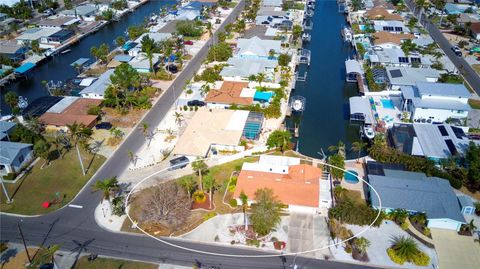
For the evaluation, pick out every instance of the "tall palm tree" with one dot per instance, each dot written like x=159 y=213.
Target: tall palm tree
x=200 y=167
x=132 y=157
x=209 y=184
x=244 y=199
x=75 y=131
x=106 y=186
x=209 y=28
x=339 y=148
x=189 y=184
x=359 y=146
x=260 y=78
x=144 y=128
x=204 y=89
x=178 y=118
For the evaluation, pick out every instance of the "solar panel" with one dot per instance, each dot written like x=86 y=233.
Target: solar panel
x=459 y=133
x=451 y=147
x=443 y=131
x=396 y=73
x=416 y=60
x=403 y=59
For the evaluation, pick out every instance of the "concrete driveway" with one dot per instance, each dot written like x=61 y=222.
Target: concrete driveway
x=307 y=232
x=455 y=251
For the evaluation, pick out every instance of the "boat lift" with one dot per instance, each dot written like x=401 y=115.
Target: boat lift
x=308 y=24
x=300 y=78
x=304 y=56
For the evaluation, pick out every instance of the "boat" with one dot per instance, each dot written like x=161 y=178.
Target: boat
x=368 y=131
x=347 y=34
x=65 y=51
x=306 y=37
x=22 y=102
x=297 y=103
x=49 y=52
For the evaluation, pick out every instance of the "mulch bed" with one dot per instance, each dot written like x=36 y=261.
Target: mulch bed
x=358 y=256
x=419 y=227
x=204 y=205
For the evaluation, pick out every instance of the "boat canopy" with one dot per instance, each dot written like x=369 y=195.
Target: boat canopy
x=353 y=66
x=360 y=109
x=80 y=62
x=24 y=68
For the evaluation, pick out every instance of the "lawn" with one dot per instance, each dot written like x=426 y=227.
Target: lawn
x=104 y=263
x=475 y=104
x=62 y=176
x=476 y=67
x=221 y=173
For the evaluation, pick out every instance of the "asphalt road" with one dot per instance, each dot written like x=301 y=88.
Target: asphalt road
x=460 y=63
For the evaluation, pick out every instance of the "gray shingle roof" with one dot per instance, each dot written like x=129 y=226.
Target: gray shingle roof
x=246 y=67
x=409 y=75
x=415 y=192
x=443 y=89
x=257 y=46
x=100 y=85
x=10 y=150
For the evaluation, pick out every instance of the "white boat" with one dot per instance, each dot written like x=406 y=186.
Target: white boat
x=6 y=117
x=368 y=131
x=306 y=37
x=65 y=51
x=49 y=52
x=347 y=34
x=22 y=102
x=297 y=103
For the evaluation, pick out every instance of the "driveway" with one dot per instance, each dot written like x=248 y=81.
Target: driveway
x=455 y=251
x=307 y=232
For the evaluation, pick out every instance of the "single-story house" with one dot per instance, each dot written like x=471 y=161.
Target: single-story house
x=229 y=93
x=436 y=142
x=38 y=34
x=6 y=128
x=83 y=12
x=272 y=11
x=12 y=50
x=299 y=186
x=435 y=102
x=60 y=21
x=97 y=89
x=272 y=3
x=396 y=57
x=59 y=37
x=242 y=68
x=387 y=40
x=257 y=48
x=141 y=63
x=409 y=76
x=390 y=26
x=14 y=156
x=68 y=111
x=417 y=193
x=211 y=130
x=380 y=13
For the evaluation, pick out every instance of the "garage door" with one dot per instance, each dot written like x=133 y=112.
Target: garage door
x=443 y=224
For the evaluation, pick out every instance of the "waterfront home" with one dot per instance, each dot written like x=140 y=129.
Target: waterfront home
x=157 y=37
x=299 y=186
x=436 y=142
x=475 y=30
x=96 y=90
x=417 y=193
x=243 y=68
x=37 y=34
x=57 y=38
x=230 y=93
x=5 y=21
x=354 y=70
x=84 y=12
x=435 y=102
x=396 y=57
x=6 y=128
x=12 y=50
x=59 y=21
x=257 y=48
x=14 y=156
x=380 y=13
x=279 y=22
x=211 y=131
x=141 y=63
x=395 y=27
x=272 y=11
x=457 y=9
x=389 y=40
x=409 y=76
x=272 y=3
x=70 y=110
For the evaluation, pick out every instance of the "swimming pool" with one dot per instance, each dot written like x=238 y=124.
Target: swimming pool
x=387 y=103
x=351 y=178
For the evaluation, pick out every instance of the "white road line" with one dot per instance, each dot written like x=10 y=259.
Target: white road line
x=75 y=206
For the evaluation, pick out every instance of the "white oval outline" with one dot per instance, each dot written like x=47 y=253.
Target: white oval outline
x=254 y=256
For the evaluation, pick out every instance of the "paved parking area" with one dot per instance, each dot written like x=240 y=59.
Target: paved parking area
x=473 y=118
x=455 y=251
x=307 y=232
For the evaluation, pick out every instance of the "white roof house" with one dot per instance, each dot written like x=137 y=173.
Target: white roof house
x=272 y=3
x=408 y=76
x=256 y=47
x=243 y=68
x=30 y=35
x=96 y=90
x=141 y=63
x=81 y=11
x=390 y=26
x=396 y=57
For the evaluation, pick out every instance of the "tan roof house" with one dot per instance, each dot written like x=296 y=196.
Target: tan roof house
x=231 y=92
x=380 y=13
x=387 y=39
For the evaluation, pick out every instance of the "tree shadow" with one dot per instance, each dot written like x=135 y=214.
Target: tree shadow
x=7 y=255
x=28 y=171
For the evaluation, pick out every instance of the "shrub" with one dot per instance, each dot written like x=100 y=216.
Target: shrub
x=404 y=226
x=231 y=188
x=233 y=203
x=185 y=107
x=348 y=248
x=189 y=91
x=232 y=242
x=426 y=232
x=199 y=197
x=209 y=215
x=455 y=183
x=94 y=110
x=217 y=238
x=274 y=239
x=9 y=176
x=253 y=242
x=421 y=259
x=393 y=256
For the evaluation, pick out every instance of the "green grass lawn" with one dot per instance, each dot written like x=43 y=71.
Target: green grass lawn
x=104 y=263
x=475 y=104
x=40 y=185
x=476 y=67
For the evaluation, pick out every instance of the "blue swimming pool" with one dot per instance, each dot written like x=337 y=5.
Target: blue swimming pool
x=387 y=103
x=351 y=177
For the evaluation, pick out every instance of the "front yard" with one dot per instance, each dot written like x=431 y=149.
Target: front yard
x=57 y=183
x=104 y=263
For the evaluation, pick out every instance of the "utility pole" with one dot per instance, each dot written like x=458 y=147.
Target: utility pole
x=24 y=243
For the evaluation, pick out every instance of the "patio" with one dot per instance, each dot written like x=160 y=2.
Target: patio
x=388 y=109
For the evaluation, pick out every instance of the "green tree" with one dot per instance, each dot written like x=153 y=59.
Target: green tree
x=144 y=127
x=188 y=29
x=261 y=78
x=178 y=118
x=265 y=211
x=35 y=46
x=135 y=31
x=200 y=167
x=107 y=15
x=100 y=53
x=284 y=59
x=120 y=41
x=107 y=187
x=244 y=199
x=68 y=4
x=359 y=146
x=408 y=46
x=209 y=184
x=11 y=98
x=79 y=134
x=279 y=139
x=42 y=150
x=219 y=52
x=337 y=161
x=296 y=33
x=339 y=148
x=189 y=185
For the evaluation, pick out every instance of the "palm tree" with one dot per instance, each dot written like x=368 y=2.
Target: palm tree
x=200 y=167
x=209 y=28
x=209 y=184
x=47 y=253
x=260 y=78
x=244 y=199
x=359 y=146
x=362 y=244
x=132 y=157
x=11 y=98
x=339 y=148
x=189 y=184
x=75 y=135
x=204 y=89
x=405 y=247
x=178 y=118
x=107 y=186
x=144 y=128
x=42 y=149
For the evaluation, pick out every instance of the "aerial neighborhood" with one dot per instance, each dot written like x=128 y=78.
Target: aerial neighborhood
x=283 y=133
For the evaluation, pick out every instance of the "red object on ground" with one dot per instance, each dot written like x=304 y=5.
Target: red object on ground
x=46 y=204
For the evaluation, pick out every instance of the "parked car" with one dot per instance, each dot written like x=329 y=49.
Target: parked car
x=178 y=163
x=457 y=50
x=196 y=103
x=188 y=42
x=104 y=125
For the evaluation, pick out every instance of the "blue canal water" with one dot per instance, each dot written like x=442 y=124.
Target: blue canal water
x=59 y=69
x=325 y=119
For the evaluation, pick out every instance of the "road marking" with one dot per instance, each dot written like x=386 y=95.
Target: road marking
x=75 y=206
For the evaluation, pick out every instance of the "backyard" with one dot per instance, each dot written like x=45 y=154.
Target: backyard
x=57 y=183
x=221 y=174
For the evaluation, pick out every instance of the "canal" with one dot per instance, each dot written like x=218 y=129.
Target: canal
x=59 y=69
x=325 y=119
